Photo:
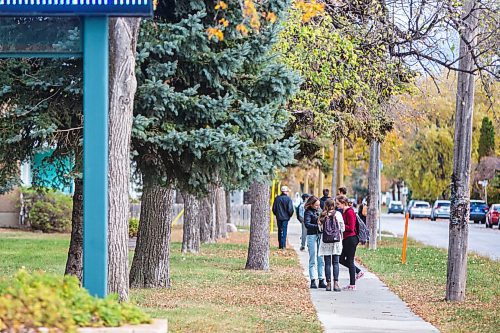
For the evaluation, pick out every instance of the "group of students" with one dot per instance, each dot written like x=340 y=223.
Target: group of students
x=319 y=216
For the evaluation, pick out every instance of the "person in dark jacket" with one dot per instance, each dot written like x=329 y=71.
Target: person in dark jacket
x=283 y=210
x=326 y=196
x=316 y=262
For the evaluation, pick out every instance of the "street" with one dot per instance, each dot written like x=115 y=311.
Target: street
x=481 y=240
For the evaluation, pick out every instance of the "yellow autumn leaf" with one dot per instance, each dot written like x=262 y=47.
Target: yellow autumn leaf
x=215 y=32
x=271 y=17
x=242 y=29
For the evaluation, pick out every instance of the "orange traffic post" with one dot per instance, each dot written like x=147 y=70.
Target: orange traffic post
x=405 y=240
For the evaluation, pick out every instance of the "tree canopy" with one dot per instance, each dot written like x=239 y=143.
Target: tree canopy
x=210 y=107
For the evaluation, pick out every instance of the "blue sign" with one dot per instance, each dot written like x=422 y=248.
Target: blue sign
x=76 y=7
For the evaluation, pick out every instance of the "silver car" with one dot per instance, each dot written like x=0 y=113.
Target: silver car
x=420 y=209
x=440 y=210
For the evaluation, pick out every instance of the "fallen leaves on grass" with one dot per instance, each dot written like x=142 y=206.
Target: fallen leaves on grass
x=277 y=300
x=421 y=283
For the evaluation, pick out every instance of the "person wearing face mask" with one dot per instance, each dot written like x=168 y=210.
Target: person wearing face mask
x=316 y=262
x=350 y=241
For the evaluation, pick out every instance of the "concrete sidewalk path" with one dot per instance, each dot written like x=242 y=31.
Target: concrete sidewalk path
x=371 y=308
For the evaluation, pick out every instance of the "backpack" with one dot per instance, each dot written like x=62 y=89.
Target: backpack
x=331 y=230
x=300 y=212
x=362 y=230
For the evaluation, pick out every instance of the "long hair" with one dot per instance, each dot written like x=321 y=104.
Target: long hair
x=343 y=200
x=329 y=206
x=310 y=202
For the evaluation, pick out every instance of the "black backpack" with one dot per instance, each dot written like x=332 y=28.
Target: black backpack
x=331 y=230
x=362 y=230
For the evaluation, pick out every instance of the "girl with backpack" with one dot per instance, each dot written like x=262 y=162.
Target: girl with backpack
x=350 y=241
x=316 y=262
x=330 y=247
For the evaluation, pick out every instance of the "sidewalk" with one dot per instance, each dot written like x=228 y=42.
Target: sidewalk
x=371 y=308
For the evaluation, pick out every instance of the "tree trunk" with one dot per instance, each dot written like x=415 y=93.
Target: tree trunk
x=321 y=176
x=335 y=170
x=208 y=219
x=74 y=264
x=123 y=34
x=460 y=180
x=306 y=183
x=151 y=263
x=191 y=228
x=228 y=206
x=258 y=247
x=373 y=195
x=340 y=164
x=220 y=208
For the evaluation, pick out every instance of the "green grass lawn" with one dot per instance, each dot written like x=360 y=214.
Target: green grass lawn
x=210 y=292
x=33 y=251
x=422 y=284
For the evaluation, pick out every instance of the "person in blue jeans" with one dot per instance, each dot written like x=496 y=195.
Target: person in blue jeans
x=283 y=210
x=316 y=262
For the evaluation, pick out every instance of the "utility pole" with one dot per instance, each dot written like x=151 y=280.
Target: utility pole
x=335 y=169
x=373 y=192
x=380 y=166
x=460 y=179
x=321 y=176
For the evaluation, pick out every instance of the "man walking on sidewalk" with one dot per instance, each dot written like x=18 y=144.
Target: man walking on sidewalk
x=283 y=210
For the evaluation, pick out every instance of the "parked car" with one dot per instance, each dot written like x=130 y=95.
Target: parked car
x=493 y=216
x=440 y=210
x=478 y=210
x=395 y=207
x=420 y=209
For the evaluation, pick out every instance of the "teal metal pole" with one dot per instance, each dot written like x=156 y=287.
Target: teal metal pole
x=95 y=152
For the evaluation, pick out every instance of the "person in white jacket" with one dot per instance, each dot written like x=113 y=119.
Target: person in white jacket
x=331 y=251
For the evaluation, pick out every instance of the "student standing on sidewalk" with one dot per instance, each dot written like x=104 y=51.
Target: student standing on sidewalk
x=331 y=251
x=326 y=196
x=283 y=210
x=342 y=191
x=350 y=241
x=316 y=262
x=300 y=216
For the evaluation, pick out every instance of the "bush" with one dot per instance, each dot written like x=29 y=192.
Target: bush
x=29 y=301
x=48 y=211
x=133 y=227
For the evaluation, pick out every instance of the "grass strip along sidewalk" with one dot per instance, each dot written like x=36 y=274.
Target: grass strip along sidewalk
x=211 y=291
x=421 y=283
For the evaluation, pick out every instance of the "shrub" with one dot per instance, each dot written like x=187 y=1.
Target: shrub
x=48 y=210
x=29 y=301
x=133 y=227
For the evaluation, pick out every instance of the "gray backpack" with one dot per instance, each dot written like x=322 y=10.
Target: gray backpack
x=362 y=231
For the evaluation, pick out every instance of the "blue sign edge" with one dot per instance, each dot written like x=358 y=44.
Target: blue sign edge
x=64 y=10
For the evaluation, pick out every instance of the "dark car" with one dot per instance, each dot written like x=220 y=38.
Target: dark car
x=478 y=210
x=493 y=216
x=440 y=210
x=395 y=207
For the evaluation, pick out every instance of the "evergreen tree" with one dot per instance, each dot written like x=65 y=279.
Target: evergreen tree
x=486 y=139
x=209 y=107
x=41 y=110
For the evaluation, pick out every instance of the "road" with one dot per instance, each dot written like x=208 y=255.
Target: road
x=483 y=241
